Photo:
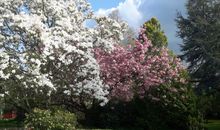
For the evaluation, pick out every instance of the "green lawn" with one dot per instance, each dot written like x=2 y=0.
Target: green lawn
x=9 y=123
x=213 y=125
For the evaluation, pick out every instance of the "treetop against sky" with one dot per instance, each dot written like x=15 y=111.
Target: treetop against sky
x=136 y=12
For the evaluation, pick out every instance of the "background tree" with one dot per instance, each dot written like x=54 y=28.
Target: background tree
x=200 y=32
x=154 y=33
x=201 y=41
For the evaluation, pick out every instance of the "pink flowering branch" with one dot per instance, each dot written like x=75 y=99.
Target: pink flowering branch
x=134 y=70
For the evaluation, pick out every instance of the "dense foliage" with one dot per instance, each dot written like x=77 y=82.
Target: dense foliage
x=155 y=33
x=50 y=120
x=201 y=50
x=200 y=33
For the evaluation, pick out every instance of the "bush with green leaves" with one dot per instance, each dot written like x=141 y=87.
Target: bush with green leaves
x=172 y=107
x=50 y=120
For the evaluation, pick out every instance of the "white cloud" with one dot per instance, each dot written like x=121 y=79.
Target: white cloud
x=129 y=11
x=136 y=12
x=166 y=12
x=104 y=12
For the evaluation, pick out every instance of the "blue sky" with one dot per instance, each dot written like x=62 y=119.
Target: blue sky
x=136 y=12
x=106 y=4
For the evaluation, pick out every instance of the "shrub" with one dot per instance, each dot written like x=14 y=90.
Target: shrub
x=50 y=120
x=163 y=109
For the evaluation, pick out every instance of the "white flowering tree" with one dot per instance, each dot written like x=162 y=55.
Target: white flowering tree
x=45 y=47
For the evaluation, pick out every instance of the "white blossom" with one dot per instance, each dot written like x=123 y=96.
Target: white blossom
x=52 y=33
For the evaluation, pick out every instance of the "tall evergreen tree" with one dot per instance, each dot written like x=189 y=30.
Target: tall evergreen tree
x=155 y=33
x=200 y=31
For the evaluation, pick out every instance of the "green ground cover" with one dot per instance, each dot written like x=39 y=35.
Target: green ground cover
x=213 y=125
x=10 y=124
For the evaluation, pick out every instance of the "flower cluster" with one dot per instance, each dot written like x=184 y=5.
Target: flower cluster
x=132 y=71
x=45 y=43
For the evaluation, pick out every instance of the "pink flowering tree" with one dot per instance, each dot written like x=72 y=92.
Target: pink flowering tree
x=134 y=70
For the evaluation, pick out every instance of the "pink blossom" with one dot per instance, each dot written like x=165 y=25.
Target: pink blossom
x=133 y=71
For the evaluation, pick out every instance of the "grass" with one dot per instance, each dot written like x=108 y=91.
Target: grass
x=10 y=123
x=213 y=125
